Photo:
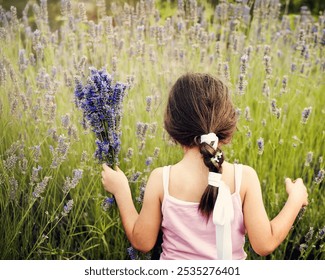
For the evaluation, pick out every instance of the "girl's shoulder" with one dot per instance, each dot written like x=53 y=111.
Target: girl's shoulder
x=157 y=172
x=248 y=171
x=155 y=182
x=249 y=180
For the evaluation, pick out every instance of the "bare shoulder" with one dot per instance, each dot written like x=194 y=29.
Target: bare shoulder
x=155 y=182
x=249 y=171
x=250 y=181
x=156 y=174
x=249 y=176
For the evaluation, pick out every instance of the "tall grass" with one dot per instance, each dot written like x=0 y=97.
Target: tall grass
x=52 y=203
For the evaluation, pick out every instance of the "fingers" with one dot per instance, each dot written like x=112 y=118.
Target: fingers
x=108 y=173
x=107 y=170
x=106 y=167
x=288 y=180
x=299 y=180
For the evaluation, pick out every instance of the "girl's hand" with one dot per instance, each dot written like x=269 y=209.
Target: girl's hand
x=114 y=181
x=297 y=190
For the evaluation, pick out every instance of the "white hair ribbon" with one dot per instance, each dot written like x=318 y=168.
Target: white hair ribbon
x=223 y=214
x=211 y=139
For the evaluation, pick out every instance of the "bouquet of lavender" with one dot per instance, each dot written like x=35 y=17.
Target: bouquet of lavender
x=101 y=103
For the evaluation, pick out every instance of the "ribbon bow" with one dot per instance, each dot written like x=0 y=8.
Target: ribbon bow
x=211 y=139
x=223 y=214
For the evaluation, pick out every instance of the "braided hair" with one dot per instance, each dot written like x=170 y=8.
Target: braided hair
x=213 y=159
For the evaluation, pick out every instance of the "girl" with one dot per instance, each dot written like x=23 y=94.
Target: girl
x=203 y=204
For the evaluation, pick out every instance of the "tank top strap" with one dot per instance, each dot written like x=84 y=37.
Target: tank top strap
x=238 y=176
x=166 y=171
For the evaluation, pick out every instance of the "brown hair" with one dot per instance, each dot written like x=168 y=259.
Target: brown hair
x=199 y=104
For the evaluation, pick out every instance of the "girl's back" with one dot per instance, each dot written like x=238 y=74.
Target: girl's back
x=187 y=233
x=189 y=181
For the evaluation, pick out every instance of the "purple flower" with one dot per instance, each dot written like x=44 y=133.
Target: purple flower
x=309 y=158
x=132 y=253
x=309 y=234
x=149 y=102
x=35 y=172
x=107 y=203
x=142 y=189
x=320 y=176
x=149 y=161
x=67 y=208
x=321 y=232
x=103 y=150
x=40 y=188
x=260 y=145
x=156 y=152
x=101 y=103
x=305 y=114
x=72 y=183
x=134 y=177
x=247 y=114
x=129 y=155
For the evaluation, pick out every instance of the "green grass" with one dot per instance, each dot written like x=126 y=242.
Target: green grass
x=33 y=102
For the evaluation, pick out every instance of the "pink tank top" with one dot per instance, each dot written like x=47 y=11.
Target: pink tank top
x=187 y=235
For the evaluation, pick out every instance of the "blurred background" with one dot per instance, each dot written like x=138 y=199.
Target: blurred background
x=42 y=135
x=288 y=6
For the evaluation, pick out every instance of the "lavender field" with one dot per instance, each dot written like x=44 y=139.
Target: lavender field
x=52 y=203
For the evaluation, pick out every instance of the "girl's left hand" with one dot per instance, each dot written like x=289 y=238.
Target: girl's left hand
x=114 y=181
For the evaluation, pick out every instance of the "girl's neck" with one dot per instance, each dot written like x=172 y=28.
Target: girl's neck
x=193 y=159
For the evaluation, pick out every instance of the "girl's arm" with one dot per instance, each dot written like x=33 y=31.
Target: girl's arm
x=265 y=235
x=141 y=229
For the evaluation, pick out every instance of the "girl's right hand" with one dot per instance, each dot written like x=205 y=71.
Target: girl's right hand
x=298 y=190
x=115 y=181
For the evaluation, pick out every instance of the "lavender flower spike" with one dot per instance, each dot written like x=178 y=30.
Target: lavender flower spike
x=305 y=114
x=40 y=188
x=67 y=208
x=107 y=203
x=132 y=253
x=101 y=102
x=260 y=145
x=320 y=176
